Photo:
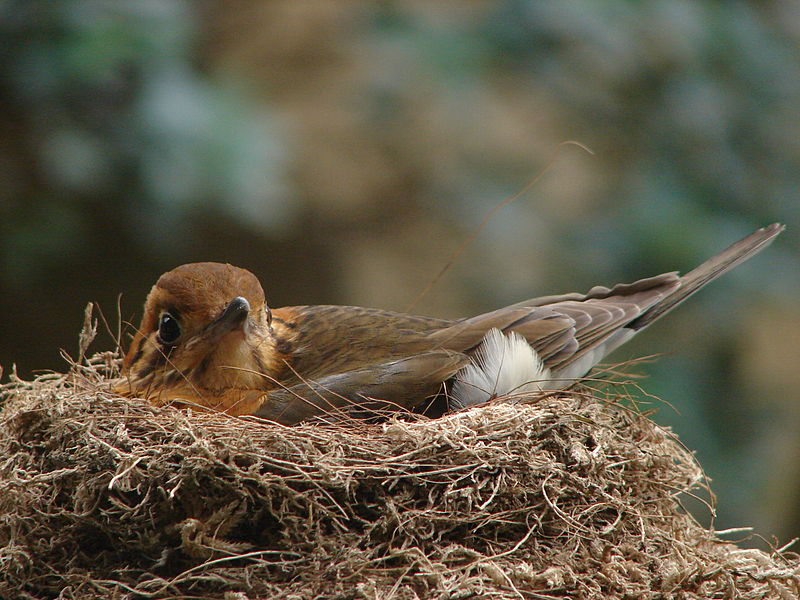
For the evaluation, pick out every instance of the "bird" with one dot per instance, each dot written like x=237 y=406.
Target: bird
x=209 y=341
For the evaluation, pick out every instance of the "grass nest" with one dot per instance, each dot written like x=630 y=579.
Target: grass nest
x=570 y=495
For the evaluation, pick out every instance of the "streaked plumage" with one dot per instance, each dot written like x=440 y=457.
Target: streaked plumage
x=232 y=353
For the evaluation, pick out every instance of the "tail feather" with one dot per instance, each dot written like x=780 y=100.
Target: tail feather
x=708 y=271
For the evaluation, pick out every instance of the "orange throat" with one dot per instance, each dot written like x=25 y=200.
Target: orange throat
x=234 y=376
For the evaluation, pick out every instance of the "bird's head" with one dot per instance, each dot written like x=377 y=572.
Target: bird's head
x=205 y=327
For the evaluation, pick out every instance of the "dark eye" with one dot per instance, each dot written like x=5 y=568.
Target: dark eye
x=168 y=329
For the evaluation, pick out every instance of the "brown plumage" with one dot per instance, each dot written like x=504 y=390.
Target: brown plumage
x=208 y=339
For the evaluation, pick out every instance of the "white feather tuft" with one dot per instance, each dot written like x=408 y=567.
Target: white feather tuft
x=502 y=365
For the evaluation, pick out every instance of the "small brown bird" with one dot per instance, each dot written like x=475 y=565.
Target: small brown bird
x=208 y=340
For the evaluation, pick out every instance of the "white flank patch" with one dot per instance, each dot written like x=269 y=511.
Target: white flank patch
x=503 y=365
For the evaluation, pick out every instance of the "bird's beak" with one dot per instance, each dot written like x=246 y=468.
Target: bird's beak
x=232 y=318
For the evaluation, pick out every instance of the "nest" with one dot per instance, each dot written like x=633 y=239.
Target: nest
x=564 y=496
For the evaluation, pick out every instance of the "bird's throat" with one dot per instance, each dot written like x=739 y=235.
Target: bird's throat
x=236 y=361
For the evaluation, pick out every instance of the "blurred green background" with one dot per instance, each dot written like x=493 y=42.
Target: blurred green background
x=343 y=150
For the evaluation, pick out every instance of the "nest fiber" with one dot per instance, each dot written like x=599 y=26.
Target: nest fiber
x=565 y=496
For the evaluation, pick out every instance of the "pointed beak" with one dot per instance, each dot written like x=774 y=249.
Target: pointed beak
x=232 y=318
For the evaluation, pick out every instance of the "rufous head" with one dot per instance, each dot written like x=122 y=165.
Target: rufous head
x=204 y=328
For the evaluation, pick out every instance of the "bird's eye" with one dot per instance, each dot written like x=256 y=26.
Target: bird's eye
x=168 y=329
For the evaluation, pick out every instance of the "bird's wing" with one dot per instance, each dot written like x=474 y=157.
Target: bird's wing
x=328 y=340
x=372 y=389
x=563 y=329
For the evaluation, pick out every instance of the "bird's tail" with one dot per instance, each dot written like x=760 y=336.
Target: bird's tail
x=715 y=266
